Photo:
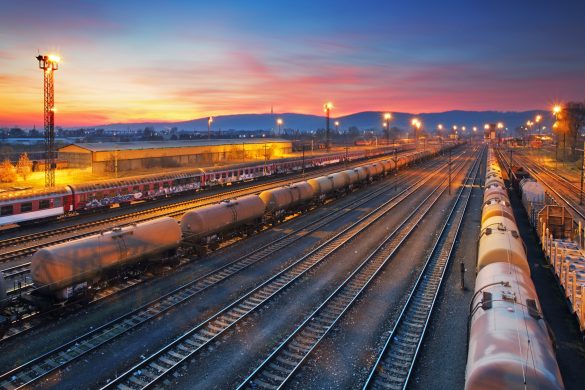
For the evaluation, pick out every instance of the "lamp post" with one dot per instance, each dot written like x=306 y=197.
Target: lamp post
x=279 y=122
x=336 y=123
x=537 y=120
x=387 y=118
x=327 y=108
x=416 y=125
x=556 y=111
x=209 y=122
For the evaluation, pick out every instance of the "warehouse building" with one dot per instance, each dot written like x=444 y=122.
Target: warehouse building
x=106 y=157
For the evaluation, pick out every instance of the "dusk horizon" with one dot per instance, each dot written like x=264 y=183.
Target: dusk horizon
x=134 y=63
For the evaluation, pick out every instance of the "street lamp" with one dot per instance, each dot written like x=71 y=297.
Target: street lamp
x=209 y=122
x=416 y=125
x=279 y=122
x=387 y=118
x=336 y=123
x=327 y=109
x=537 y=121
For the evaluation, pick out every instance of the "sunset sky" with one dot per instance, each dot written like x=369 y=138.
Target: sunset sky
x=127 y=61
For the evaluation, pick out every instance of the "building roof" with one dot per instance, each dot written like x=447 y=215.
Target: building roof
x=142 y=145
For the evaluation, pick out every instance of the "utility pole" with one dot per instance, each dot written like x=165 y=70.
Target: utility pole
x=346 y=155
x=327 y=108
x=265 y=158
x=49 y=64
x=510 y=167
x=303 y=159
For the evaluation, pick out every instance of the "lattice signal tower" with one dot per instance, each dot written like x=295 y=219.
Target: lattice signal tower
x=49 y=64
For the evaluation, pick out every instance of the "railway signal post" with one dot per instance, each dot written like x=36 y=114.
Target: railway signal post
x=49 y=64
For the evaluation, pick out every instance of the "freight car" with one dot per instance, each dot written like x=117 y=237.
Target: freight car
x=66 y=270
x=17 y=207
x=207 y=226
x=509 y=345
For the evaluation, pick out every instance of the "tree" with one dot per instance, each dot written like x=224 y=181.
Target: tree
x=7 y=172
x=569 y=122
x=24 y=166
x=353 y=131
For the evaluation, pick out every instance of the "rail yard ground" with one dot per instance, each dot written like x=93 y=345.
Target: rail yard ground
x=345 y=355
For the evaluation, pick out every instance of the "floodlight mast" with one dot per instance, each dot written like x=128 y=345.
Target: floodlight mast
x=49 y=64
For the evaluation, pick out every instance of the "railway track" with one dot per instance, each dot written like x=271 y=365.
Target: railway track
x=395 y=361
x=155 y=368
x=43 y=365
x=25 y=286
x=288 y=356
x=569 y=197
x=173 y=210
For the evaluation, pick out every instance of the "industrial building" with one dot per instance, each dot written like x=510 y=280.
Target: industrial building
x=108 y=157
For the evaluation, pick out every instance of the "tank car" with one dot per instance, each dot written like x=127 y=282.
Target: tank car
x=279 y=201
x=322 y=186
x=62 y=270
x=362 y=173
x=533 y=198
x=353 y=176
x=495 y=189
x=206 y=226
x=494 y=207
x=374 y=170
x=509 y=343
x=340 y=181
x=499 y=241
x=387 y=165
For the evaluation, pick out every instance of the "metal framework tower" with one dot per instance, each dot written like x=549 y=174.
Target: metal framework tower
x=49 y=64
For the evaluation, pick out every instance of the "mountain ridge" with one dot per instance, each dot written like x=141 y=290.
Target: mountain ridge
x=364 y=120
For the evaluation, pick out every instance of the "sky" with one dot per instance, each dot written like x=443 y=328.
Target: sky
x=130 y=61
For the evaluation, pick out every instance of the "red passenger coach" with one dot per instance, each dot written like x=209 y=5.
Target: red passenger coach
x=97 y=195
x=19 y=207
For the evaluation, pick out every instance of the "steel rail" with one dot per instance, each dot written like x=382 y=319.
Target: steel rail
x=396 y=359
x=152 y=213
x=288 y=356
x=154 y=368
x=66 y=353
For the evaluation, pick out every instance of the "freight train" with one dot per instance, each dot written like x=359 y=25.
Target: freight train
x=71 y=270
x=26 y=206
x=509 y=341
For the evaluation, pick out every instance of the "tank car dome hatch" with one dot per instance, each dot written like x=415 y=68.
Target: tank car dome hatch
x=80 y=260
x=499 y=356
x=208 y=220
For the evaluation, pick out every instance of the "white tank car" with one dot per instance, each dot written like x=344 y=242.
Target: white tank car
x=500 y=241
x=509 y=345
x=496 y=207
x=374 y=170
x=74 y=262
x=321 y=185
